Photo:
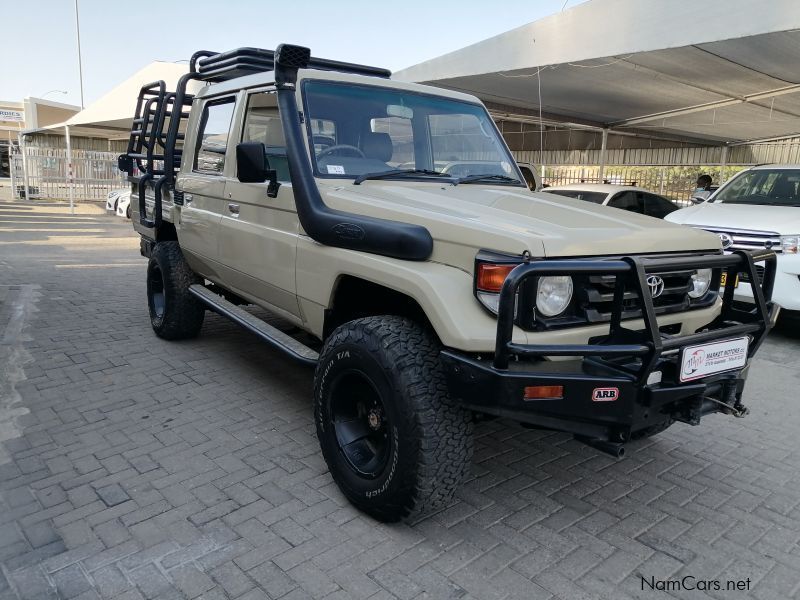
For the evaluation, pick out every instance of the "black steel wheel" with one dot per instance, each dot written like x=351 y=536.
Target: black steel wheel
x=396 y=443
x=174 y=313
x=360 y=423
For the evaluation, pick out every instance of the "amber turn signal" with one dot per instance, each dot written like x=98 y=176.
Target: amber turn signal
x=491 y=277
x=544 y=392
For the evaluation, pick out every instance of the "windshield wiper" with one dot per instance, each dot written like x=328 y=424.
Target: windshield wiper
x=484 y=177
x=398 y=173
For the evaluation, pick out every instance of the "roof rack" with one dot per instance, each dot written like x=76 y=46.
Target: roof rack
x=245 y=61
x=155 y=145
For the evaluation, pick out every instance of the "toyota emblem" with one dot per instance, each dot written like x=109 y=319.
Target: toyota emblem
x=656 y=285
x=727 y=240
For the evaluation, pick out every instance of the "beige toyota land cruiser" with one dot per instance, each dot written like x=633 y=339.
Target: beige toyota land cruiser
x=390 y=224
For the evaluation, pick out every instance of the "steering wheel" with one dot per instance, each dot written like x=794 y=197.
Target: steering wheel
x=335 y=148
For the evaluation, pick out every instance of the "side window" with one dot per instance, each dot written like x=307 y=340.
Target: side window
x=528 y=175
x=656 y=206
x=215 y=127
x=263 y=124
x=628 y=200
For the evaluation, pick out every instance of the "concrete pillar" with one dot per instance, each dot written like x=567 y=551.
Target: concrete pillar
x=24 y=151
x=70 y=173
x=603 y=148
x=723 y=163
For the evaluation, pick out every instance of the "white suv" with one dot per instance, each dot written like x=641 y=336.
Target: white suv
x=758 y=208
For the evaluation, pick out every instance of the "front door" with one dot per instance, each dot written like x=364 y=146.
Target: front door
x=203 y=185
x=258 y=234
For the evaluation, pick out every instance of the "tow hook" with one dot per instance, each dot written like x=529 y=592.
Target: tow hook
x=738 y=410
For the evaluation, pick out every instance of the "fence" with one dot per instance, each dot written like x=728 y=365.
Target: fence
x=94 y=174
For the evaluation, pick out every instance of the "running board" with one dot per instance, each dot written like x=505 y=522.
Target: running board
x=273 y=336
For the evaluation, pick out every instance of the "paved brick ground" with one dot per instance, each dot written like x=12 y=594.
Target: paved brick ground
x=134 y=468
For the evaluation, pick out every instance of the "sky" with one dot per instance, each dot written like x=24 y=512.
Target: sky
x=117 y=40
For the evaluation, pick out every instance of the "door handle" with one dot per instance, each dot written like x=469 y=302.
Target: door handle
x=233 y=209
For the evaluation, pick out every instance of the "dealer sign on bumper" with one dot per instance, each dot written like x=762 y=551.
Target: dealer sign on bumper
x=708 y=359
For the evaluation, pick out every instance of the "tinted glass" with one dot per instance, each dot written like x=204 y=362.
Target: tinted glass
x=658 y=207
x=779 y=187
x=530 y=180
x=628 y=200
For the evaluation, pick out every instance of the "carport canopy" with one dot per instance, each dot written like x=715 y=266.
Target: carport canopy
x=111 y=115
x=709 y=72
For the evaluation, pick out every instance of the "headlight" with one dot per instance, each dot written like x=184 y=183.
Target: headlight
x=789 y=243
x=701 y=281
x=553 y=295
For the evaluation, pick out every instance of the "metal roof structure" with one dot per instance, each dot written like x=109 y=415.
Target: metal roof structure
x=711 y=72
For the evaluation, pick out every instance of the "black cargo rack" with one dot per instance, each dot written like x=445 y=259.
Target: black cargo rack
x=155 y=145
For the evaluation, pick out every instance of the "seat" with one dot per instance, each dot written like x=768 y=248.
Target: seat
x=322 y=141
x=378 y=146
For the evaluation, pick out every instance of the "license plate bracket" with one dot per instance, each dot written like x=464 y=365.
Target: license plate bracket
x=724 y=279
x=702 y=360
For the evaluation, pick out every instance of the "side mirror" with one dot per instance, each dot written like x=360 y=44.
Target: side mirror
x=252 y=166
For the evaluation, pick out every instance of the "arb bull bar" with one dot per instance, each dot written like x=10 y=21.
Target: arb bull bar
x=639 y=369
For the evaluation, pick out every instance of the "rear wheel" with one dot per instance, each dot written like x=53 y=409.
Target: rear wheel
x=128 y=211
x=174 y=313
x=395 y=442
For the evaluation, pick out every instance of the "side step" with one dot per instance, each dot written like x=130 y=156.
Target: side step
x=273 y=336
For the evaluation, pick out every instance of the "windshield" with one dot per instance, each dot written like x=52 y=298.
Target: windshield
x=357 y=130
x=596 y=197
x=777 y=187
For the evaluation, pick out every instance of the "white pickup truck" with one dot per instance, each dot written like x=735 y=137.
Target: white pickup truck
x=759 y=208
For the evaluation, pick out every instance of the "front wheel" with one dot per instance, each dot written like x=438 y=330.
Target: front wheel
x=175 y=313
x=395 y=442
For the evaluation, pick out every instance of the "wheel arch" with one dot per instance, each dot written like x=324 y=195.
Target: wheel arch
x=354 y=297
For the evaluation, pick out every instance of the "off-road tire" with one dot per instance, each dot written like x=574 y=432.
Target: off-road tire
x=174 y=313
x=429 y=435
x=651 y=431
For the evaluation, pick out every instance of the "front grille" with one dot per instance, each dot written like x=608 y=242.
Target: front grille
x=745 y=239
x=599 y=296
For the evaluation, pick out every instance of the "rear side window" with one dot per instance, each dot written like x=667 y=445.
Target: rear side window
x=629 y=200
x=658 y=207
x=215 y=127
x=530 y=180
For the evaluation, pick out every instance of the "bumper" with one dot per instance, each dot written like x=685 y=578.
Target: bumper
x=786 y=291
x=625 y=381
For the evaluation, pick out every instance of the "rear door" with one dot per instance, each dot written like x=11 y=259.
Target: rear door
x=202 y=181
x=258 y=234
